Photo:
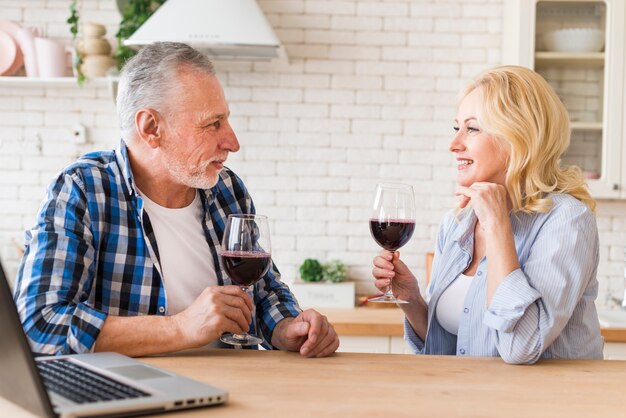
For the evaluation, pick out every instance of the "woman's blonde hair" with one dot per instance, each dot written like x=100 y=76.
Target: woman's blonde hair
x=521 y=108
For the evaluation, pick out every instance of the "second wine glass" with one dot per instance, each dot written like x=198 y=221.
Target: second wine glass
x=246 y=255
x=392 y=223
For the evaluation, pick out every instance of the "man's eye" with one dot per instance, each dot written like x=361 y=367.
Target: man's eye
x=215 y=125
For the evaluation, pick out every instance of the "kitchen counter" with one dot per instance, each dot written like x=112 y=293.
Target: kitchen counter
x=285 y=384
x=387 y=322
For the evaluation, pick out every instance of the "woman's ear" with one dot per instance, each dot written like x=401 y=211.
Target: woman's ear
x=149 y=126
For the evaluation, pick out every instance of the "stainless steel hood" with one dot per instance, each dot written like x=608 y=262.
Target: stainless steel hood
x=223 y=29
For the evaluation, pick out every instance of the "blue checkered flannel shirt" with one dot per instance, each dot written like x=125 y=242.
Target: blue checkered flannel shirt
x=93 y=253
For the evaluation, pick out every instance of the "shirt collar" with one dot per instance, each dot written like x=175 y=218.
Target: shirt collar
x=124 y=163
x=464 y=234
x=121 y=154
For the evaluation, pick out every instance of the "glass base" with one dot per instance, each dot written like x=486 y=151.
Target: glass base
x=386 y=298
x=240 y=339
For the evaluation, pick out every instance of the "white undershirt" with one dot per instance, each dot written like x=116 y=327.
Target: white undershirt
x=185 y=257
x=450 y=304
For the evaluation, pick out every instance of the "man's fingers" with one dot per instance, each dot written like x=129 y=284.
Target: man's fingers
x=326 y=337
x=326 y=344
x=238 y=303
x=237 y=316
x=235 y=327
x=316 y=323
x=330 y=348
x=235 y=291
x=299 y=329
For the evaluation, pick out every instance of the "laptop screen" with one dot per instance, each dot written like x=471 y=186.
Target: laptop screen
x=20 y=382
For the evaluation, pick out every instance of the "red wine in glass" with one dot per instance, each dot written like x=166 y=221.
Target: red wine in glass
x=392 y=233
x=392 y=223
x=245 y=267
x=246 y=257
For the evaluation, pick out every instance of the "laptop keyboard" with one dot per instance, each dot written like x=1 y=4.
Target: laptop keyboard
x=82 y=385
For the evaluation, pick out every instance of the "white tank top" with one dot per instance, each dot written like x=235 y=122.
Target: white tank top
x=450 y=303
x=186 y=260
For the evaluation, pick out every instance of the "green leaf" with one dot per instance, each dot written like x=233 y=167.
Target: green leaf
x=311 y=270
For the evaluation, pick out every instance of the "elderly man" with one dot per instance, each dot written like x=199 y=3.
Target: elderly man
x=124 y=254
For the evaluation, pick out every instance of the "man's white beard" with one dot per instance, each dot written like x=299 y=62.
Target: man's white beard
x=196 y=177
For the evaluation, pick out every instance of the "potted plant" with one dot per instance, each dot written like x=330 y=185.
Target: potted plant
x=134 y=14
x=323 y=285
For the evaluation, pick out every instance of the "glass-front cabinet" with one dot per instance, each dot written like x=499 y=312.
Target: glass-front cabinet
x=578 y=46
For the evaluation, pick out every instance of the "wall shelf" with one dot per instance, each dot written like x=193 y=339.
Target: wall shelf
x=586 y=126
x=16 y=81
x=110 y=83
x=564 y=59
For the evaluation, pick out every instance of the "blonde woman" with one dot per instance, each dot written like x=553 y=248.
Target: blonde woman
x=514 y=273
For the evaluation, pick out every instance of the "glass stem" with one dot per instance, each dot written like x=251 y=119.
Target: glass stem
x=389 y=291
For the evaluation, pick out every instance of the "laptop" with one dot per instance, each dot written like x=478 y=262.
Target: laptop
x=93 y=384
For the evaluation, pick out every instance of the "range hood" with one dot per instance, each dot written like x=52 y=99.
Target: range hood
x=222 y=29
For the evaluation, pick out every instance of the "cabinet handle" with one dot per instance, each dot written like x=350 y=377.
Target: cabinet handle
x=615 y=186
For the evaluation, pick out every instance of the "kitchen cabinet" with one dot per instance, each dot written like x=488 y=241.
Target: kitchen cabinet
x=397 y=345
x=590 y=82
x=614 y=351
x=369 y=344
x=375 y=330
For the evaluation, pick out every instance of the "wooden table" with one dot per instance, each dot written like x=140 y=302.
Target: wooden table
x=388 y=322
x=281 y=384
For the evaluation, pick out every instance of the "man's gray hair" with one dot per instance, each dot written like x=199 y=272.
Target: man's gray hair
x=149 y=79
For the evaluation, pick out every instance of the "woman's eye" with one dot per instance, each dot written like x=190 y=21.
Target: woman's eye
x=456 y=129
x=471 y=129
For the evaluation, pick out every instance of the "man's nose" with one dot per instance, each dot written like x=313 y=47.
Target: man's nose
x=229 y=139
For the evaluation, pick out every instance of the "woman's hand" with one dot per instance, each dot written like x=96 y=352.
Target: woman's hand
x=388 y=266
x=489 y=201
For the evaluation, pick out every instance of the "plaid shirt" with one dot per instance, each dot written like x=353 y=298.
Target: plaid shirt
x=93 y=253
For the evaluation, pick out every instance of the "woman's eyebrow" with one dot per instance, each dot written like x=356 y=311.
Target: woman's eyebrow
x=466 y=120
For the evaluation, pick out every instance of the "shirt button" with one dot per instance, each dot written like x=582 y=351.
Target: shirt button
x=466 y=310
x=480 y=273
x=462 y=351
x=161 y=309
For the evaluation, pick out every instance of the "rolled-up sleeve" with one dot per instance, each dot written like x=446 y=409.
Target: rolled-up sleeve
x=414 y=342
x=272 y=298
x=533 y=304
x=274 y=302
x=56 y=273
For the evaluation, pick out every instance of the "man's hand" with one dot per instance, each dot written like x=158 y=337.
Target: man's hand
x=217 y=310
x=310 y=333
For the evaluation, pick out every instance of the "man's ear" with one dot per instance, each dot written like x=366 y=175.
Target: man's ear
x=149 y=126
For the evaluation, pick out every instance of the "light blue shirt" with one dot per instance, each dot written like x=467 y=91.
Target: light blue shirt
x=544 y=309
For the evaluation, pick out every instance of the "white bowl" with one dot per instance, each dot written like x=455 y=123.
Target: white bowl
x=574 y=40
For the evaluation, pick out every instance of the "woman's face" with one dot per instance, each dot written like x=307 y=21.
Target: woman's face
x=480 y=157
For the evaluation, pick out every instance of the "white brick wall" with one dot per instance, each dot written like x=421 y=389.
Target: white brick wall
x=368 y=94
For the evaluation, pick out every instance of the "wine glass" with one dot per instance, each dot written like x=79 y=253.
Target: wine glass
x=392 y=223
x=246 y=256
